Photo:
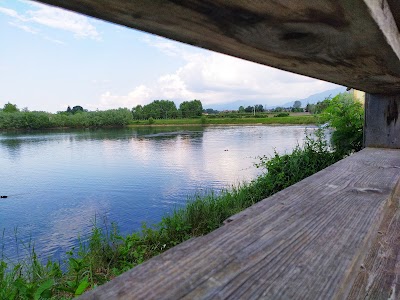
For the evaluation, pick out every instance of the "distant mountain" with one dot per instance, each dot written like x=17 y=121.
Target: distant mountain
x=230 y=106
x=315 y=97
x=311 y=99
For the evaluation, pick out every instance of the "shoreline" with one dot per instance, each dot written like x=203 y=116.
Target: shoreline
x=227 y=124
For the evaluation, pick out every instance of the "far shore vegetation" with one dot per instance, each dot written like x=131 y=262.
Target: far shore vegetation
x=106 y=254
x=158 y=112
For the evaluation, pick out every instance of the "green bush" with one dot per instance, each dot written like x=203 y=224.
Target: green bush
x=345 y=115
x=283 y=114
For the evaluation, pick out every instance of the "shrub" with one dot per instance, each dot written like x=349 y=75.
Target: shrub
x=283 y=114
x=345 y=115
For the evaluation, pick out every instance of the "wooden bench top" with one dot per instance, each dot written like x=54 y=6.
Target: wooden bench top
x=334 y=235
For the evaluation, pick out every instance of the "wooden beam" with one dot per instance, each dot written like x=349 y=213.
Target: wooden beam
x=350 y=42
x=309 y=241
x=382 y=121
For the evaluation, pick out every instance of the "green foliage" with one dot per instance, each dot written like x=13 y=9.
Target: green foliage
x=285 y=170
x=249 y=109
x=190 y=109
x=278 y=109
x=10 y=108
x=210 y=111
x=151 y=120
x=319 y=107
x=158 y=109
x=40 y=120
x=282 y=114
x=76 y=109
x=345 y=115
x=235 y=119
x=107 y=254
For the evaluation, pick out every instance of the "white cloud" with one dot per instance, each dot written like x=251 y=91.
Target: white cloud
x=52 y=17
x=24 y=27
x=140 y=95
x=217 y=78
x=9 y=12
x=58 y=18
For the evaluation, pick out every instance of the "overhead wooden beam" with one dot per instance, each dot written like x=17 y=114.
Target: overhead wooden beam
x=348 y=42
x=333 y=235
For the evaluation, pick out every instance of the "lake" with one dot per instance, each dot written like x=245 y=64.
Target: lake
x=58 y=182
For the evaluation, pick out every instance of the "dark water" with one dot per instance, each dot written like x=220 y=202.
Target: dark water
x=58 y=181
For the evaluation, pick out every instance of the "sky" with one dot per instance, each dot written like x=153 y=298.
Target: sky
x=52 y=58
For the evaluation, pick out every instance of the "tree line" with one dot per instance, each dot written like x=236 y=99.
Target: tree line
x=166 y=109
x=13 y=118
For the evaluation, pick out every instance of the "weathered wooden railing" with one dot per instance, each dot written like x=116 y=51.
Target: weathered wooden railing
x=332 y=235
x=336 y=233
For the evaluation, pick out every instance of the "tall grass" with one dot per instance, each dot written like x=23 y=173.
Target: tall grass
x=107 y=254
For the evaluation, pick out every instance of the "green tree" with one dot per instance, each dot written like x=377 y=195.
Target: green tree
x=249 y=109
x=10 y=108
x=259 y=108
x=190 y=109
x=278 y=109
x=76 y=109
x=310 y=108
x=210 y=111
x=345 y=115
x=158 y=109
x=137 y=113
x=322 y=105
x=241 y=109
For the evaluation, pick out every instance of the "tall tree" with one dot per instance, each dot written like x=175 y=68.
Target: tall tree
x=190 y=109
x=10 y=108
x=259 y=108
x=249 y=109
x=76 y=109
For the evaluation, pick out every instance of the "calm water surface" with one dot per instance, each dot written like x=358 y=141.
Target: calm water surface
x=58 y=181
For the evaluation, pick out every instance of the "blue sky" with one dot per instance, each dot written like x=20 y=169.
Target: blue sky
x=51 y=58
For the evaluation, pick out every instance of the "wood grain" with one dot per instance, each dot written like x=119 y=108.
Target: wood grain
x=353 y=43
x=379 y=275
x=382 y=121
x=308 y=241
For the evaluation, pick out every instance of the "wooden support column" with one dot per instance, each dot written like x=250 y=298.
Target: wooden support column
x=382 y=122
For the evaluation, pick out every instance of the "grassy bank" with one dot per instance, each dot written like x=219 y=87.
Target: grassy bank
x=290 y=120
x=107 y=254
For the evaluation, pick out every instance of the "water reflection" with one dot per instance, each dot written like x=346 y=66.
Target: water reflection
x=61 y=179
x=12 y=146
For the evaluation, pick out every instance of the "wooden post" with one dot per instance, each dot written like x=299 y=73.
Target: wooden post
x=382 y=123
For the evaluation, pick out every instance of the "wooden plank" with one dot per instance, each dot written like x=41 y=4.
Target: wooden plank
x=353 y=43
x=378 y=276
x=305 y=242
x=382 y=121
